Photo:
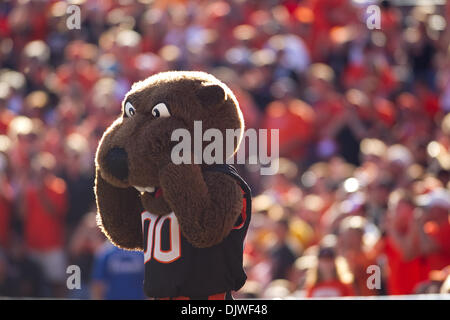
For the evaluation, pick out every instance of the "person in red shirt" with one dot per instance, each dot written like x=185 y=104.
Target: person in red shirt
x=44 y=207
x=406 y=266
x=328 y=278
x=433 y=228
x=294 y=119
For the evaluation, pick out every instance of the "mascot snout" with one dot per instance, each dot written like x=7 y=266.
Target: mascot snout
x=116 y=161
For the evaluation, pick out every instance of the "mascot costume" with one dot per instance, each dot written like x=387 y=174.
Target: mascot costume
x=190 y=220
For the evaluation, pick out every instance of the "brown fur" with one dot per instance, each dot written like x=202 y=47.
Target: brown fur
x=206 y=203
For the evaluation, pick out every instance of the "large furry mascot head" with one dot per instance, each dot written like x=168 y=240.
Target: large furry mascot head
x=134 y=171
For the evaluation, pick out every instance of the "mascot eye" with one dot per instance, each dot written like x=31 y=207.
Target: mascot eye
x=160 y=111
x=130 y=111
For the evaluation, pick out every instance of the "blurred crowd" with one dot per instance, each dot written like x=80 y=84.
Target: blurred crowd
x=360 y=205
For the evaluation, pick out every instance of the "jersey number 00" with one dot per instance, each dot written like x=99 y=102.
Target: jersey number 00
x=153 y=237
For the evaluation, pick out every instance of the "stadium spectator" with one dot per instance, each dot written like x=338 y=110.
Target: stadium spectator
x=330 y=278
x=6 y=199
x=351 y=247
x=117 y=274
x=83 y=246
x=24 y=276
x=43 y=213
x=407 y=267
x=281 y=254
x=433 y=228
x=6 y=283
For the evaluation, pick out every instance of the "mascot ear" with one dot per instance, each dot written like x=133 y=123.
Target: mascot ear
x=119 y=214
x=211 y=95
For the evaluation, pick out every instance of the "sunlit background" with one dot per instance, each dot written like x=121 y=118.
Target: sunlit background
x=363 y=119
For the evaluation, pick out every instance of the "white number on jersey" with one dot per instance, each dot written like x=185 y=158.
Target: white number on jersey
x=153 y=248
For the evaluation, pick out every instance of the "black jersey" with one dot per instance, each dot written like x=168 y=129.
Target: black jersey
x=175 y=268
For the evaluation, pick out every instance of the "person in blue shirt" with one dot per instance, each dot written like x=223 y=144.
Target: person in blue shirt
x=118 y=274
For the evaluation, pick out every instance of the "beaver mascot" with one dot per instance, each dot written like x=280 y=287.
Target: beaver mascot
x=189 y=219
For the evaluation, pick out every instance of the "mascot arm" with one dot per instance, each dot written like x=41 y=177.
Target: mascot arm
x=119 y=214
x=207 y=204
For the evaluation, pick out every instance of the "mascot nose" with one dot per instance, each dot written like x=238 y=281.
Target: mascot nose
x=116 y=161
